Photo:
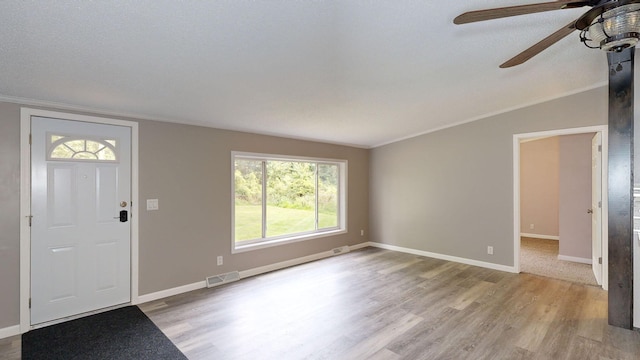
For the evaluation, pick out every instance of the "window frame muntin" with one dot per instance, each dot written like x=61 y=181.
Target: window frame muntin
x=265 y=242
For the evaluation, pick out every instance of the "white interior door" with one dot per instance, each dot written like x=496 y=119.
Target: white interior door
x=80 y=233
x=596 y=206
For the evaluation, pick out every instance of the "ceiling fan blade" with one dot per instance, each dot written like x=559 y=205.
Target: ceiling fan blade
x=540 y=46
x=497 y=13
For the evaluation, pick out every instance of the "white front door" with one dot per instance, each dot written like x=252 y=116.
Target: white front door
x=80 y=232
x=596 y=206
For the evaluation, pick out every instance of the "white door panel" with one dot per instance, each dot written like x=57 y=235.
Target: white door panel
x=62 y=261
x=80 y=251
x=62 y=201
x=106 y=194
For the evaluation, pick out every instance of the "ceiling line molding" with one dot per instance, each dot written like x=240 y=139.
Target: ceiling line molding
x=135 y=116
x=77 y=108
x=69 y=107
x=495 y=113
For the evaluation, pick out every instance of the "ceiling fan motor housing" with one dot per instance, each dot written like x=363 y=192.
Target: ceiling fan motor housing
x=616 y=29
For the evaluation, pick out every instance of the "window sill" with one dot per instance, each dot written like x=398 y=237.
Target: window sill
x=282 y=241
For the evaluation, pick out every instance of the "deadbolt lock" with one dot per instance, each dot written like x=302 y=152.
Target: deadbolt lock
x=123 y=204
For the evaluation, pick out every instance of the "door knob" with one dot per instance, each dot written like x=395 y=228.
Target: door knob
x=589 y=211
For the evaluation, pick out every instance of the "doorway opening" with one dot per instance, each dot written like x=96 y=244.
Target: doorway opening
x=537 y=240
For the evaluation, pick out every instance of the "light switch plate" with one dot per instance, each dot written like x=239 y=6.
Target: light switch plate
x=152 y=204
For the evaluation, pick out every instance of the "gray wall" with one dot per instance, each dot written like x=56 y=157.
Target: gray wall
x=9 y=215
x=575 y=195
x=451 y=191
x=188 y=169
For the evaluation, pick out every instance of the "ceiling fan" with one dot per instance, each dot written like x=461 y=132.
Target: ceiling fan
x=613 y=26
x=610 y=25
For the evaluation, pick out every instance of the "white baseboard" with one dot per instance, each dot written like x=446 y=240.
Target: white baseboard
x=294 y=262
x=539 y=236
x=170 y=292
x=9 y=331
x=575 y=259
x=483 y=264
x=284 y=264
x=325 y=254
x=243 y=274
x=359 y=246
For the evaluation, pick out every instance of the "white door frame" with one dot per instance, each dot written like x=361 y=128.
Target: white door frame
x=517 y=138
x=25 y=202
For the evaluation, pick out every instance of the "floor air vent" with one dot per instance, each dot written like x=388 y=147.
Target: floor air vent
x=216 y=280
x=340 y=250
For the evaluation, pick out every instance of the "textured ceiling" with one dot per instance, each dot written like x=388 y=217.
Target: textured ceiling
x=362 y=73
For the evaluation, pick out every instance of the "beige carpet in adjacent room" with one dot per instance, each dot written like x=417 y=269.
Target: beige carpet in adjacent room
x=540 y=257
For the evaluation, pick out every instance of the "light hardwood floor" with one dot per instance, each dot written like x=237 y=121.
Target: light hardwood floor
x=378 y=304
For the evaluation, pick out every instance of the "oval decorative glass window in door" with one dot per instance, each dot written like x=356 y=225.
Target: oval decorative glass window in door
x=64 y=147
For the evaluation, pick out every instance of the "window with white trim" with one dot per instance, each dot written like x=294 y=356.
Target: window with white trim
x=284 y=199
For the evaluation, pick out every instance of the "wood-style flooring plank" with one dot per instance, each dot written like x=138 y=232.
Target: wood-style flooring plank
x=589 y=325
x=469 y=296
x=375 y=342
x=10 y=348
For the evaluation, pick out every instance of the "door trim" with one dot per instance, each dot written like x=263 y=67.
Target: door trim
x=25 y=201
x=517 y=138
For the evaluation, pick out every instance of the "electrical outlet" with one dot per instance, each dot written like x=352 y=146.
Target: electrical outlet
x=361 y=232
x=531 y=226
x=490 y=250
x=219 y=260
